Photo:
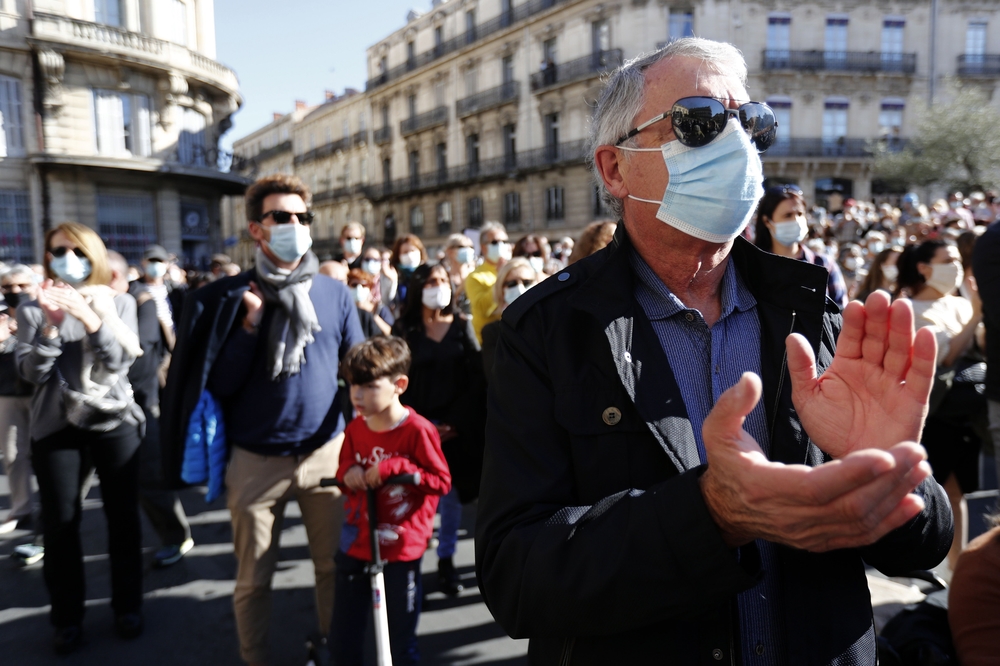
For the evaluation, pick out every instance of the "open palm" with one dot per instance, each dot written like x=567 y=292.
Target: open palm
x=875 y=392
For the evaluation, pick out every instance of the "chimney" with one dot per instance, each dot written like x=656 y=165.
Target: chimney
x=330 y=95
x=277 y=115
x=348 y=92
x=299 y=105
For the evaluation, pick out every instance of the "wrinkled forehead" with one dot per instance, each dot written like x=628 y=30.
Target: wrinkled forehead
x=669 y=80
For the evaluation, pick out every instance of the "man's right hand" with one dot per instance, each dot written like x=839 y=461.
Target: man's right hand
x=253 y=301
x=846 y=503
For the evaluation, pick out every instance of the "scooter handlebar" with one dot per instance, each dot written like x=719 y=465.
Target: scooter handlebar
x=398 y=480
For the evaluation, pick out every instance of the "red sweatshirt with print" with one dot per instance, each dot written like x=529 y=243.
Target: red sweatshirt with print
x=405 y=512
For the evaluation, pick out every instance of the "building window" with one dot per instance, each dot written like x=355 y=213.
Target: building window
x=835 y=125
x=345 y=128
x=512 y=208
x=362 y=122
x=191 y=141
x=599 y=208
x=507 y=69
x=127 y=223
x=681 y=24
x=779 y=27
x=836 y=38
x=414 y=168
x=475 y=211
x=444 y=218
x=441 y=152
x=108 y=12
x=10 y=115
x=411 y=54
x=439 y=93
x=550 y=51
x=347 y=174
x=471 y=81
x=890 y=118
x=417 y=221
x=510 y=146
x=179 y=12
x=15 y=227
x=552 y=136
x=470 y=26
x=472 y=153
x=411 y=105
x=364 y=170
x=122 y=124
x=386 y=171
x=892 y=40
x=600 y=36
x=975 y=42
x=554 y=204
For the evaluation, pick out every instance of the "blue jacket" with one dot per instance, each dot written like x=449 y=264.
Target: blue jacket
x=205 y=450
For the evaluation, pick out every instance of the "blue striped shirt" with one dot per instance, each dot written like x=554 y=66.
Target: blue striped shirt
x=705 y=362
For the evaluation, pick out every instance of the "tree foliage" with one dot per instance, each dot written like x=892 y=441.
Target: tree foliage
x=957 y=145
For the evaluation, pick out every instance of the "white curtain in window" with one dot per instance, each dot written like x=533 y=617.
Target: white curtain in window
x=109 y=123
x=141 y=140
x=12 y=136
x=107 y=12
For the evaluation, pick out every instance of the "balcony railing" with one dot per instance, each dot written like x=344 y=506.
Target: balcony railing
x=336 y=193
x=268 y=153
x=846 y=147
x=587 y=66
x=422 y=121
x=361 y=136
x=503 y=94
x=342 y=143
x=382 y=135
x=841 y=61
x=509 y=165
x=481 y=31
x=978 y=64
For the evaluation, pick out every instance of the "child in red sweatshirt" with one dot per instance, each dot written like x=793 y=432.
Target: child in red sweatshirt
x=386 y=439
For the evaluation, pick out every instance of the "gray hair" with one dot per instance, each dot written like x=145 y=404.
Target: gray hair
x=624 y=96
x=19 y=269
x=489 y=228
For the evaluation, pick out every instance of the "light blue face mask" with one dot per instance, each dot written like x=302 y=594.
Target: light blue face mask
x=289 y=241
x=465 y=255
x=70 y=268
x=713 y=190
x=372 y=266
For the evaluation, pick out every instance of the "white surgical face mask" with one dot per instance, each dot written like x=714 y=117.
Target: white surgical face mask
x=946 y=278
x=289 y=241
x=496 y=252
x=360 y=293
x=436 y=298
x=410 y=259
x=510 y=294
x=890 y=273
x=70 y=268
x=156 y=269
x=373 y=266
x=788 y=233
x=352 y=246
x=712 y=190
x=851 y=263
x=465 y=255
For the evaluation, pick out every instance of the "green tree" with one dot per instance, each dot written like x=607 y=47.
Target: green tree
x=957 y=145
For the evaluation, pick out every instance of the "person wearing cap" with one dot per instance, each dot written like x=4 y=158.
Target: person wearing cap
x=691 y=453
x=156 y=337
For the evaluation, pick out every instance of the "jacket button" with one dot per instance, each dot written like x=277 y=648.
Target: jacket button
x=717 y=654
x=690 y=317
x=612 y=416
x=563 y=277
x=627 y=357
x=760 y=649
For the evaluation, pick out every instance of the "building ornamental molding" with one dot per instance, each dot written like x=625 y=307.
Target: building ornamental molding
x=53 y=68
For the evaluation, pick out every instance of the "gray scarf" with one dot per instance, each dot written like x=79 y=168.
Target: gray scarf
x=294 y=321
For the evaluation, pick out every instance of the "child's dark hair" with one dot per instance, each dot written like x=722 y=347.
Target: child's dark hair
x=376 y=358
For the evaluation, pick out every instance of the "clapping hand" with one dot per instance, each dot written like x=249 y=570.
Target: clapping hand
x=57 y=300
x=875 y=392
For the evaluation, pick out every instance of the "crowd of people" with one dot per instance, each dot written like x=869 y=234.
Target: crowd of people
x=481 y=369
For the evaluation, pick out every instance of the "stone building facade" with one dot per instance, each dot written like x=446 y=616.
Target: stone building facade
x=112 y=112
x=478 y=109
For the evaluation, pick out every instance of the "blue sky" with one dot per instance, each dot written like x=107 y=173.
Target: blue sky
x=295 y=49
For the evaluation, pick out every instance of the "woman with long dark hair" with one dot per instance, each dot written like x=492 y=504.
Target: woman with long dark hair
x=781 y=228
x=75 y=344
x=930 y=274
x=448 y=388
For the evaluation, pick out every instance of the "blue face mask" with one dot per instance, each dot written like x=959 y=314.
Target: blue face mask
x=465 y=255
x=713 y=190
x=71 y=268
x=289 y=241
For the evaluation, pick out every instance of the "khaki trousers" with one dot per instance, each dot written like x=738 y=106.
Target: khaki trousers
x=259 y=488
x=15 y=445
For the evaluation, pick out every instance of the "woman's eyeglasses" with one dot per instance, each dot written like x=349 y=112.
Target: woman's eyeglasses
x=510 y=284
x=61 y=252
x=698 y=120
x=284 y=217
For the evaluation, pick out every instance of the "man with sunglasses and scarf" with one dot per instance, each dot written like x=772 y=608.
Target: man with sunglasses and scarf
x=666 y=480
x=269 y=342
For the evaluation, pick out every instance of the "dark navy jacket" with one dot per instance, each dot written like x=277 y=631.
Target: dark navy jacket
x=594 y=540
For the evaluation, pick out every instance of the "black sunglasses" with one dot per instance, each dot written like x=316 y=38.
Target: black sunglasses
x=510 y=284
x=698 y=120
x=61 y=252
x=284 y=217
x=499 y=242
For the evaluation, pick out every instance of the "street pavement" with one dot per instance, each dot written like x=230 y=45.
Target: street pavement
x=188 y=607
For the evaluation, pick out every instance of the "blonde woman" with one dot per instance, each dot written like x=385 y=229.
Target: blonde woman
x=75 y=344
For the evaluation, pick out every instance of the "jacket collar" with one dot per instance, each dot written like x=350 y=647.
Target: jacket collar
x=791 y=297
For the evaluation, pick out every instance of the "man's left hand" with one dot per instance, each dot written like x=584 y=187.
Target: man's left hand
x=875 y=392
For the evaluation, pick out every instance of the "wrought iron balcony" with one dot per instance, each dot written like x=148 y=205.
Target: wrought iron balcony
x=845 y=147
x=361 y=136
x=585 y=67
x=562 y=154
x=342 y=143
x=503 y=94
x=423 y=121
x=978 y=64
x=268 y=153
x=382 y=135
x=481 y=31
x=841 y=61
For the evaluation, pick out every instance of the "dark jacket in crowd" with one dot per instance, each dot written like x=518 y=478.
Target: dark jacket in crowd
x=144 y=373
x=986 y=268
x=594 y=540
x=11 y=384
